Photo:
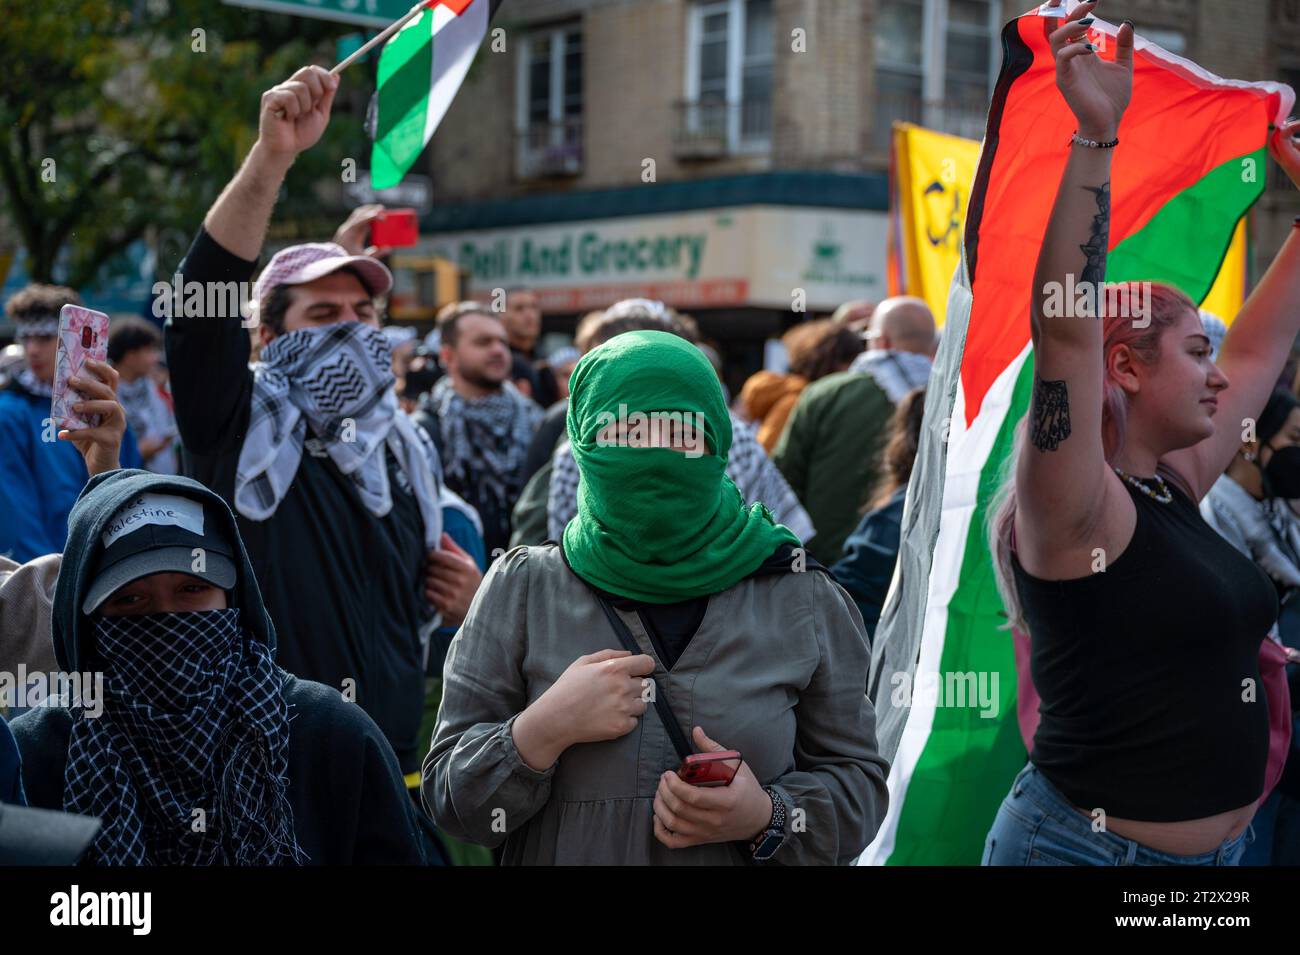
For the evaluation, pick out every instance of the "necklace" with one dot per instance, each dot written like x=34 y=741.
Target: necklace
x=1163 y=496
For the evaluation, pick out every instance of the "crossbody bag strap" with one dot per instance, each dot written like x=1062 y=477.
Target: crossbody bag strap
x=661 y=698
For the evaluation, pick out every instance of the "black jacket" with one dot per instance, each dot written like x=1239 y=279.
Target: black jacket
x=349 y=801
x=344 y=588
x=350 y=806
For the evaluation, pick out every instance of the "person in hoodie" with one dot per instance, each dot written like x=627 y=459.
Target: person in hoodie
x=39 y=476
x=339 y=494
x=206 y=751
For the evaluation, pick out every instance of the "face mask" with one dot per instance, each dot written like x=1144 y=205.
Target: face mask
x=174 y=661
x=1282 y=473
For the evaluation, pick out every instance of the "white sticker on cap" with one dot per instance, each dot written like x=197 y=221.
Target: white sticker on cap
x=156 y=510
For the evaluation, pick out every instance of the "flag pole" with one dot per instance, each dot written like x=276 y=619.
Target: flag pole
x=380 y=38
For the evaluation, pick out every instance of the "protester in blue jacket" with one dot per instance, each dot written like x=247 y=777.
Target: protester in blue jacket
x=40 y=477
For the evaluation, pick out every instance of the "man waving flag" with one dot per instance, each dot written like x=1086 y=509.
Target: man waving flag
x=420 y=70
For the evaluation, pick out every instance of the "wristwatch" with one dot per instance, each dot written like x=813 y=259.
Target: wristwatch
x=764 y=845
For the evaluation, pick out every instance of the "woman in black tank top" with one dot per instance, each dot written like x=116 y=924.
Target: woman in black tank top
x=1145 y=625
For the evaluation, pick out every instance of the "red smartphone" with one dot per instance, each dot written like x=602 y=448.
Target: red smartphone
x=710 y=769
x=395 y=229
x=83 y=333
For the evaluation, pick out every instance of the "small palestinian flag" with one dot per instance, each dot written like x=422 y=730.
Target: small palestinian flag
x=1191 y=160
x=420 y=70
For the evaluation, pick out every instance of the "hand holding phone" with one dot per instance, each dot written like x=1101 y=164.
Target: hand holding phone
x=710 y=769
x=101 y=445
x=732 y=807
x=83 y=334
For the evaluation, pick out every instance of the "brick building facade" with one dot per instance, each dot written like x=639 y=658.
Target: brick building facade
x=743 y=103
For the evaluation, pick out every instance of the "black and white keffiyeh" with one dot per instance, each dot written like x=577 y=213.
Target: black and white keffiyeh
x=187 y=764
x=485 y=440
x=1266 y=531
x=896 y=372
x=338 y=379
x=146 y=411
x=27 y=379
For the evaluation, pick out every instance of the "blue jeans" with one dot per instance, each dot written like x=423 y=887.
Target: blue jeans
x=1036 y=825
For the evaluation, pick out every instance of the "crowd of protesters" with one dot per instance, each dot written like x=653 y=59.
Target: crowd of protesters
x=359 y=597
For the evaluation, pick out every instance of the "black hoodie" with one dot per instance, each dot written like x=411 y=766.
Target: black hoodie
x=349 y=802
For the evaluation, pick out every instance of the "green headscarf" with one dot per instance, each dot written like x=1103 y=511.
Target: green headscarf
x=655 y=524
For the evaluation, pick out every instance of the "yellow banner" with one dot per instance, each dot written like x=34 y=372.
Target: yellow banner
x=934 y=176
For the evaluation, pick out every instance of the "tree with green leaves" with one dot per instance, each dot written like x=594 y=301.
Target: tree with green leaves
x=123 y=120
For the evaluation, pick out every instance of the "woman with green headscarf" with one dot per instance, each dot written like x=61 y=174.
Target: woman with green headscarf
x=564 y=747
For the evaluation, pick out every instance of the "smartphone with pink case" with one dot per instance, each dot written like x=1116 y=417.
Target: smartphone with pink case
x=83 y=333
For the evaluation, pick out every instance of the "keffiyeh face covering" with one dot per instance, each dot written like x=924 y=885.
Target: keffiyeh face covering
x=187 y=764
x=338 y=380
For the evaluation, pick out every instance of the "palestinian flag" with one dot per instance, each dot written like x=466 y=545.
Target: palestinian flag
x=1191 y=160
x=420 y=70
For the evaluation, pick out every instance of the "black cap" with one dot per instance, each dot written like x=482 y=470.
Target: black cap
x=160 y=533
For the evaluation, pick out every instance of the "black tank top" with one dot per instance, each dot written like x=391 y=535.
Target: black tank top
x=1141 y=669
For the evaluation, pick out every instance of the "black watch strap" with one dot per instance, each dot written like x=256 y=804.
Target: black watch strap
x=765 y=844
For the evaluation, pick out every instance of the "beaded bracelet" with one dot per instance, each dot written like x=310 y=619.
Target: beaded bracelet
x=1092 y=143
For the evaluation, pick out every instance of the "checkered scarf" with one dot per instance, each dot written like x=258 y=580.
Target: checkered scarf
x=146 y=411
x=187 y=763
x=33 y=385
x=895 y=372
x=485 y=441
x=338 y=379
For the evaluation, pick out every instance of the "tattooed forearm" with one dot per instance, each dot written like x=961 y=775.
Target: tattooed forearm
x=1049 y=423
x=1094 y=268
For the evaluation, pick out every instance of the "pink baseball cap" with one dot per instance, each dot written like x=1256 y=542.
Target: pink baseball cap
x=299 y=264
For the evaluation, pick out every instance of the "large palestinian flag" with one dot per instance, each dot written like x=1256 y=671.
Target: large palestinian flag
x=1191 y=160
x=420 y=70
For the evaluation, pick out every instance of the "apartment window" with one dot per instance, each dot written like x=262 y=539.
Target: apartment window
x=730 y=51
x=549 y=96
x=936 y=63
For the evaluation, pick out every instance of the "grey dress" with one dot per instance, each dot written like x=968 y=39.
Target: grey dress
x=777 y=670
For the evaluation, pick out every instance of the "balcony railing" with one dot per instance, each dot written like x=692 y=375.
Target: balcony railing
x=963 y=116
x=710 y=129
x=546 y=150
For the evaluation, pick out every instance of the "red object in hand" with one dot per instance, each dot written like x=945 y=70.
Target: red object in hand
x=710 y=769
x=395 y=229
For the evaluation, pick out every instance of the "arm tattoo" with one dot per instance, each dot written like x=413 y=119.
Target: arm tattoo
x=1094 y=269
x=1050 y=424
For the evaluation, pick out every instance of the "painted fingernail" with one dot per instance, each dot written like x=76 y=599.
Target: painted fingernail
x=1087 y=21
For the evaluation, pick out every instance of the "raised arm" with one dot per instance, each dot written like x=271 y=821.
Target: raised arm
x=292 y=119
x=1062 y=481
x=1256 y=346
x=208 y=352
